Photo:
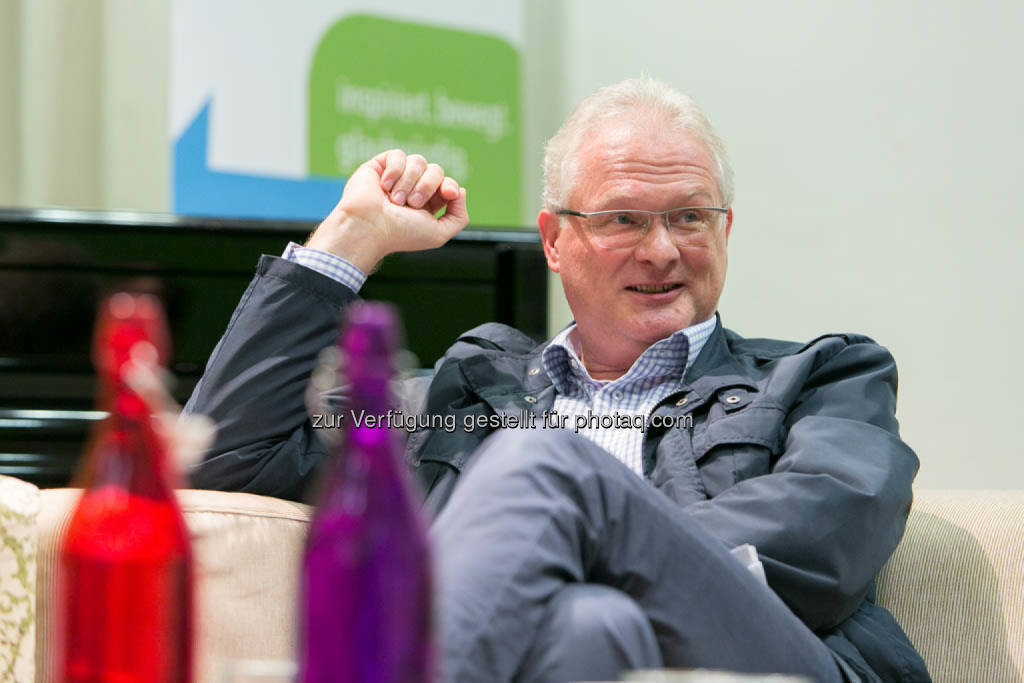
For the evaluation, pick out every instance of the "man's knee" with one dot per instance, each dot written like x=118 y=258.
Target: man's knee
x=592 y=613
x=590 y=632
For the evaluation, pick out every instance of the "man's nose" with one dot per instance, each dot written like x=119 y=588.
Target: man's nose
x=657 y=246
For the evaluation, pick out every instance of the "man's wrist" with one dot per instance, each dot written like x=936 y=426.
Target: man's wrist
x=355 y=241
x=327 y=264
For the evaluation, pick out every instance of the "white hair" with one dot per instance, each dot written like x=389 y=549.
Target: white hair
x=632 y=96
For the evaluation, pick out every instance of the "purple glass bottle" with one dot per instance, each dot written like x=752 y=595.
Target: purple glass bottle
x=366 y=598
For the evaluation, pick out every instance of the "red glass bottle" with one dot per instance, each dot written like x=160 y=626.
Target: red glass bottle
x=366 y=599
x=126 y=569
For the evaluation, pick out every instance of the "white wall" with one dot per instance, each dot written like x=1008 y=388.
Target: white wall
x=136 y=148
x=83 y=104
x=877 y=148
x=58 y=100
x=9 y=116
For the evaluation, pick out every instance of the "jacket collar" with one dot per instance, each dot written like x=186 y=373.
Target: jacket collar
x=715 y=368
x=511 y=382
x=514 y=382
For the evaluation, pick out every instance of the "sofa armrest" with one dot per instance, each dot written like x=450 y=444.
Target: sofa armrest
x=955 y=583
x=247 y=550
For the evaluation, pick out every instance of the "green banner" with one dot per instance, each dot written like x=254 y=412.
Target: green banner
x=450 y=95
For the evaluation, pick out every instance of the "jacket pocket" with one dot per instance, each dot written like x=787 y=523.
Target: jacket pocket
x=725 y=465
x=736 y=444
x=753 y=424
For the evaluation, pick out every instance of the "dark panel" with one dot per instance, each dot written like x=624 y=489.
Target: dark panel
x=55 y=266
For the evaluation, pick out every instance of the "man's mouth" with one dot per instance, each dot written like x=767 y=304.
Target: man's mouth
x=653 y=289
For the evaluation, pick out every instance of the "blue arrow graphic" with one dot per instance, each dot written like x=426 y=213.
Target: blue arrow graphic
x=201 y=191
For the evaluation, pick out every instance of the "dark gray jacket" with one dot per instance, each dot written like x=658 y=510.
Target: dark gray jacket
x=793 y=448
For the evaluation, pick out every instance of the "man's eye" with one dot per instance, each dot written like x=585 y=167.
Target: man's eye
x=614 y=221
x=686 y=217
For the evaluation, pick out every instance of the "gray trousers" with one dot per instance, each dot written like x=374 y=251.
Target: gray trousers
x=555 y=562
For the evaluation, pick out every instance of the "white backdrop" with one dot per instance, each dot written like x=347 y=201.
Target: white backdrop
x=877 y=148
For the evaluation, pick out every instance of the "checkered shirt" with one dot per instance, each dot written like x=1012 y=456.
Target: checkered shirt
x=654 y=375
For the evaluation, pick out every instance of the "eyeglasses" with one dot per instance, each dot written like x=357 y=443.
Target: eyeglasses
x=689 y=226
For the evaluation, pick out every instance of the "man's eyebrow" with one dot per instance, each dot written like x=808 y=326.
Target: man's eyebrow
x=688 y=199
x=627 y=202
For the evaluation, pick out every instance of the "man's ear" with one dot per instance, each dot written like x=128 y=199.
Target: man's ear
x=728 y=224
x=550 y=225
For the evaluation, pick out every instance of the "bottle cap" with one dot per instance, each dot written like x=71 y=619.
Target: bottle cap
x=130 y=327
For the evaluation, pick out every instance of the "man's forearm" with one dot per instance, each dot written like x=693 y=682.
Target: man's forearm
x=255 y=382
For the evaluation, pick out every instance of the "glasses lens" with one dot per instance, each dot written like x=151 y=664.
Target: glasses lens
x=691 y=225
x=692 y=218
x=618 y=228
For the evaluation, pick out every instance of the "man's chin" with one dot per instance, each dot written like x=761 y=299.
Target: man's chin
x=657 y=327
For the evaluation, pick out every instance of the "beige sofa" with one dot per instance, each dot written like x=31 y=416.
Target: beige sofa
x=247 y=551
x=955 y=582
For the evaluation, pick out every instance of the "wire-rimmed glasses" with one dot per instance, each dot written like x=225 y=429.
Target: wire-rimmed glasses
x=624 y=228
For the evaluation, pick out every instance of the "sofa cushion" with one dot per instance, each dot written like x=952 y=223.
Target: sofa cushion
x=247 y=550
x=955 y=584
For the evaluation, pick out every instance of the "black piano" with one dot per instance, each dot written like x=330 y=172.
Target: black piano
x=56 y=265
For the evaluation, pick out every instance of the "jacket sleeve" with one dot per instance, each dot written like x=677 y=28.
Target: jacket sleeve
x=255 y=382
x=834 y=505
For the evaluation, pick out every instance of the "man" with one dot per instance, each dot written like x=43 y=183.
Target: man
x=565 y=556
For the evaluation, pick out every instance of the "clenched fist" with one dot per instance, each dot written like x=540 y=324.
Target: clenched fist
x=389 y=204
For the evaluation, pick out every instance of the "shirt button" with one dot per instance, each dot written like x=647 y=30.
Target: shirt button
x=617 y=395
x=732 y=399
x=534 y=371
x=530 y=399
x=681 y=402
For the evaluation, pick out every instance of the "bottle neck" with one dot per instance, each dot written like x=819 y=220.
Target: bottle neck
x=371 y=394
x=125 y=403
x=126 y=451
x=368 y=452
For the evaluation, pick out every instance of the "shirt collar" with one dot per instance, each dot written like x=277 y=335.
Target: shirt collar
x=562 y=363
